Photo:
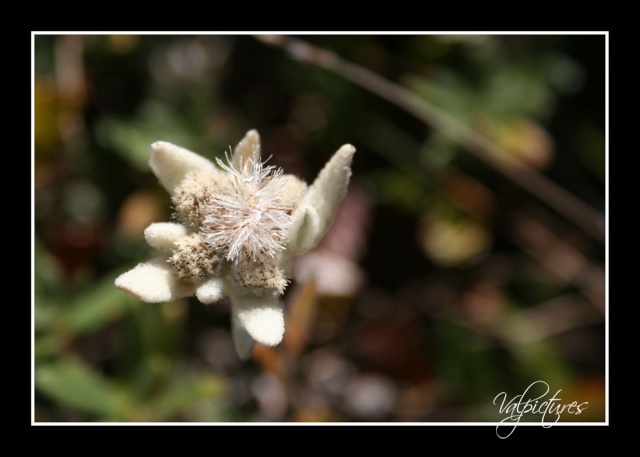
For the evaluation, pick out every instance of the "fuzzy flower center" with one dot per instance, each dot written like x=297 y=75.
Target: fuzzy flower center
x=247 y=217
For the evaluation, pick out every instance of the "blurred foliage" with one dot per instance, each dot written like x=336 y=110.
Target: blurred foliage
x=439 y=285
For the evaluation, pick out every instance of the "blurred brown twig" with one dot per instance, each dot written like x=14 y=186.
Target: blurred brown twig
x=521 y=174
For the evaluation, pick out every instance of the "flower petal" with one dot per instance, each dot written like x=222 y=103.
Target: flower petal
x=241 y=339
x=318 y=207
x=211 y=291
x=246 y=148
x=304 y=230
x=163 y=235
x=260 y=313
x=171 y=163
x=154 y=282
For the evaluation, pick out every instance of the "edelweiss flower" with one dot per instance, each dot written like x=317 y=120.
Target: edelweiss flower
x=239 y=225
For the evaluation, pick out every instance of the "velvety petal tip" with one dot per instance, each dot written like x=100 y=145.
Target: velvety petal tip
x=247 y=148
x=210 y=291
x=154 y=282
x=171 y=163
x=318 y=207
x=262 y=317
x=163 y=235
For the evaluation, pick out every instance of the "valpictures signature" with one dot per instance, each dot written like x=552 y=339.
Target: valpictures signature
x=531 y=401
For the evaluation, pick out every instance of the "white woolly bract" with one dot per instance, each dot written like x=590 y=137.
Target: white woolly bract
x=248 y=217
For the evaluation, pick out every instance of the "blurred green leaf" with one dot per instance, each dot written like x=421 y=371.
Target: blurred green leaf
x=47 y=345
x=74 y=384
x=535 y=356
x=132 y=138
x=186 y=393
x=502 y=88
x=47 y=279
x=462 y=359
x=445 y=89
x=513 y=90
x=100 y=304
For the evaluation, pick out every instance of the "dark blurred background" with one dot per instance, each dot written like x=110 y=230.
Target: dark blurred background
x=441 y=283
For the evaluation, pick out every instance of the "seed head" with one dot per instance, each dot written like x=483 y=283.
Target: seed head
x=193 y=258
x=192 y=199
x=248 y=215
